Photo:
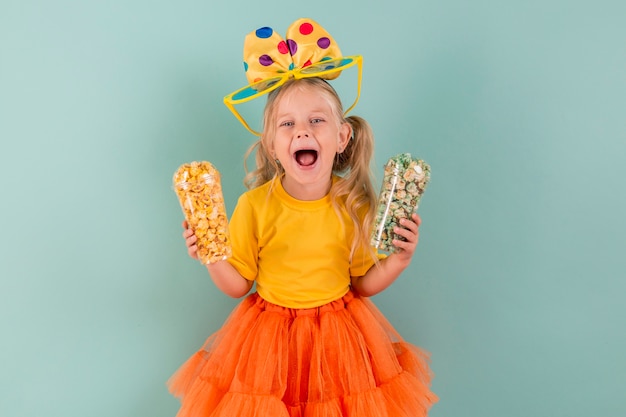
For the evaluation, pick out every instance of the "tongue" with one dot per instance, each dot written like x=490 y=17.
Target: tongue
x=305 y=158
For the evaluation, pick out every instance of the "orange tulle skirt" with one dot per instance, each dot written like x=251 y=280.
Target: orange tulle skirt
x=341 y=359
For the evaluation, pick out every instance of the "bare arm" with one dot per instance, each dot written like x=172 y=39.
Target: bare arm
x=223 y=274
x=381 y=276
x=228 y=279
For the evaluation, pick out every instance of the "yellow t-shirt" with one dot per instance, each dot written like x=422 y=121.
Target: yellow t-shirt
x=297 y=251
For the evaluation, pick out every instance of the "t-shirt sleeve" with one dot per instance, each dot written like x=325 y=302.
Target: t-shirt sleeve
x=362 y=261
x=242 y=228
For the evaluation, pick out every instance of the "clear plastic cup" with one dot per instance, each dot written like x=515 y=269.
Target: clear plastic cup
x=404 y=181
x=199 y=191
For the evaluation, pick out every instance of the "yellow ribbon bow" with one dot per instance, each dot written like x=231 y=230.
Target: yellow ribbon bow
x=266 y=53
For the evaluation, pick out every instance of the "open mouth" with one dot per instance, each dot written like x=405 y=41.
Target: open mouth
x=306 y=157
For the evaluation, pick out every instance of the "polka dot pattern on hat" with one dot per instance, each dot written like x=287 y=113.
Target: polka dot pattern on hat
x=264 y=32
x=266 y=53
x=306 y=28
x=283 y=48
x=266 y=60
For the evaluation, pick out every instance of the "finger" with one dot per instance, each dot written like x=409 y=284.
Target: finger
x=191 y=241
x=409 y=225
x=187 y=233
x=185 y=224
x=404 y=246
x=417 y=219
x=405 y=233
x=408 y=229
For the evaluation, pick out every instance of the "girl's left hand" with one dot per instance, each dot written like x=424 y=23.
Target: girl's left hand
x=381 y=276
x=409 y=231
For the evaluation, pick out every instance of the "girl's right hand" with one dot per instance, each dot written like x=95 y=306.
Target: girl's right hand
x=190 y=240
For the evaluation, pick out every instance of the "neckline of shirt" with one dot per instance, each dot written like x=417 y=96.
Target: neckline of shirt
x=285 y=197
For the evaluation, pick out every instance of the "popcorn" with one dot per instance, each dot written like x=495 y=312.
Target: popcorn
x=199 y=191
x=405 y=180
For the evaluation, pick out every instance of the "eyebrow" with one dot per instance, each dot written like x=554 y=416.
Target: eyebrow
x=313 y=112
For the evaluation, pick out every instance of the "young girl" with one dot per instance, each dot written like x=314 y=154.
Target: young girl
x=308 y=342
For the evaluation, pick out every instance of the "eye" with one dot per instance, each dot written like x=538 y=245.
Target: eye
x=286 y=124
x=316 y=120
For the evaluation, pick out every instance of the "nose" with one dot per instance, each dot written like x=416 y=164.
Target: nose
x=301 y=129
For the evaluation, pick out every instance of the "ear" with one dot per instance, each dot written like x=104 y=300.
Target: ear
x=345 y=133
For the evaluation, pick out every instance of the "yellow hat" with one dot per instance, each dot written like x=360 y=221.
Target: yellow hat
x=266 y=53
x=269 y=61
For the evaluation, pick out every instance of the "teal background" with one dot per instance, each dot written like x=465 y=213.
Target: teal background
x=517 y=288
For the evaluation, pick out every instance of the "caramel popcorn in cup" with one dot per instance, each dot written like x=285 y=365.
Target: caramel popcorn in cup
x=199 y=191
x=405 y=180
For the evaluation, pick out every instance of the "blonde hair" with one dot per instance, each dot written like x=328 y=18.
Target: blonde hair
x=353 y=188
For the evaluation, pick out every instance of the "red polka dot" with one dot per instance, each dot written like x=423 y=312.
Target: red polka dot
x=282 y=47
x=306 y=28
x=306 y=64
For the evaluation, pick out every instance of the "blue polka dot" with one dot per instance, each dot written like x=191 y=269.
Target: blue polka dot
x=245 y=66
x=291 y=66
x=264 y=32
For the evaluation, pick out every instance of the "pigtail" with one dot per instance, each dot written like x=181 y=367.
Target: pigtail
x=355 y=187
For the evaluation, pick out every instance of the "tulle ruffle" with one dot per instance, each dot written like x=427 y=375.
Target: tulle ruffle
x=341 y=359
